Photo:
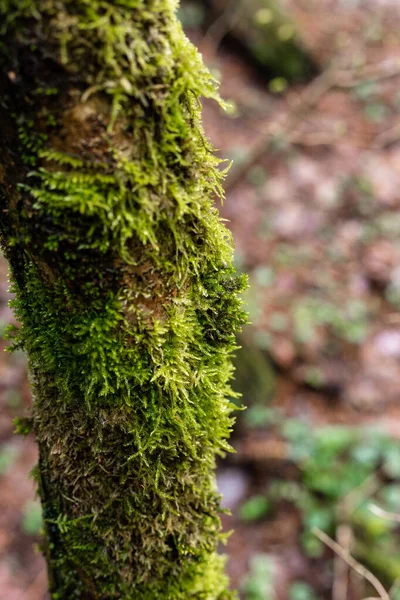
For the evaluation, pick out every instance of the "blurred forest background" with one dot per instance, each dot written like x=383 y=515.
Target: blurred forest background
x=313 y=201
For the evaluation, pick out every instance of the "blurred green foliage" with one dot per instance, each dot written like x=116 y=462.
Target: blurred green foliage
x=255 y=508
x=343 y=472
x=191 y=14
x=254 y=375
x=32 y=518
x=259 y=583
x=262 y=29
x=271 y=37
x=350 y=322
x=8 y=456
x=301 y=591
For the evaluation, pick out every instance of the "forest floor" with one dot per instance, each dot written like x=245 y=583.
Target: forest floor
x=313 y=202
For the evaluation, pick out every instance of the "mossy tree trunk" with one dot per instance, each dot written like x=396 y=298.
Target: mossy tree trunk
x=125 y=292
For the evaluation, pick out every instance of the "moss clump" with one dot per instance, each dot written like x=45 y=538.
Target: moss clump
x=125 y=291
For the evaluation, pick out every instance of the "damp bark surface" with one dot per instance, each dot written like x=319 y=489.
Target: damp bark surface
x=125 y=292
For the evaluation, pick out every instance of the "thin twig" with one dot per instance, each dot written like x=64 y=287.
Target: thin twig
x=302 y=104
x=37 y=588
x=387 y=137
x=333 y=77
x=355 y=565
x=344 y=538
x=344 y=535
x=370 y=73
x=352 y=499
x=392 y=318
x=394 y=589
x=222 y=25
x=384 y=514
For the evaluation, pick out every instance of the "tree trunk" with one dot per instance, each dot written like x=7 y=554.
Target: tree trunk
x=125 y=292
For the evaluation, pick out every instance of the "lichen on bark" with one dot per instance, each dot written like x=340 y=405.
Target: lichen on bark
x=125 y=291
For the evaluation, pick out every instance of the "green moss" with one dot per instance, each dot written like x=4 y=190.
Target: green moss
x=125 y=291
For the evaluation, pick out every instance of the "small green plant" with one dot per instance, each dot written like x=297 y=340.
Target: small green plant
x=350 y=322
x=255 y=508
x=260 y=415
x=300 y=590
x=344 y=472
x=32 y=518
x=259 y=583
x=273 y=41
x=8 y=456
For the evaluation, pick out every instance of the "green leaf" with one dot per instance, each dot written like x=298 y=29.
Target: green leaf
x=391 y=463
x=8 y=455
x=255 y=508
x=260 y=416
x=300 y=590
x=32 y=518
x=313 y=547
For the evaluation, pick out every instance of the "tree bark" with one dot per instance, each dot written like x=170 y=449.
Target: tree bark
x=125 y=291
